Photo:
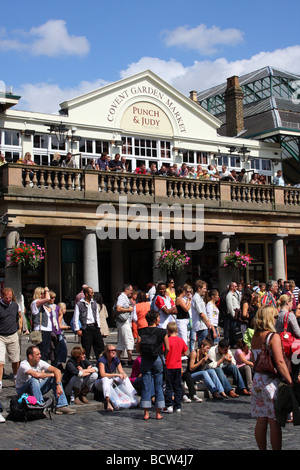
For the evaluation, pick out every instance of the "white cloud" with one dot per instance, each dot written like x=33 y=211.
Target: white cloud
x=202 y=38
x=53 y=40
x=207 y=73
x=50 y=39
x=45 y=97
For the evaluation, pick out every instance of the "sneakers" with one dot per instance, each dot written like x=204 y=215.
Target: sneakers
x=169 y=409
x=64 y=410
x=186 y=399
x=178 y=410
x=2 y=419
x=196 y=399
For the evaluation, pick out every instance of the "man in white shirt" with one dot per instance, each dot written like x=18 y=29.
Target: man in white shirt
x=222 y=359
x=36 y=377
x=124 y=308
x=87 y=323
x=232 y=303
x=278 y=179
x=201 y=322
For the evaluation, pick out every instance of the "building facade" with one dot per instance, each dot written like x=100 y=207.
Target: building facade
x=105 y=228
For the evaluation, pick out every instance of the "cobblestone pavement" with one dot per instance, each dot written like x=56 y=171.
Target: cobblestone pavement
x=210 y=425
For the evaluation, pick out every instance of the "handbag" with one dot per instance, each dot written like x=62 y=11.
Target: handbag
x=35 y=337
x=264 y=362
x=238 y=316
x=287 y=338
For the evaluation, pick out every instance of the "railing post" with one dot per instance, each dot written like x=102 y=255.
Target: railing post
x=11 y=175
x=160 y=187
x=225 y=193
x=279 y=203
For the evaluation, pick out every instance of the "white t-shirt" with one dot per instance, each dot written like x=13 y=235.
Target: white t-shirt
x=124 y=302
x=212 y=313
x=36 y=311
x=23 y=377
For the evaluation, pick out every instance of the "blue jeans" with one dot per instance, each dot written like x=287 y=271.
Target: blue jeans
x=223 y=379
x=152 y=370
x=138 y=384
x=201 y=335
x=210 y=379
x=38 y=388
x=62 y=350
x=233 y=370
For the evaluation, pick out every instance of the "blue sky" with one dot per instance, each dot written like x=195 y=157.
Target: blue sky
x=54 y=51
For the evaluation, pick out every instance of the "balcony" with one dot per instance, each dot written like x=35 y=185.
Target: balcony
x=61 y=184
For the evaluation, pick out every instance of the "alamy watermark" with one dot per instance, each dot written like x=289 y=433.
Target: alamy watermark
x=137 y=221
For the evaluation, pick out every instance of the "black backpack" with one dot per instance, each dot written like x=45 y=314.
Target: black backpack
x=24 y=411
x=148 y=345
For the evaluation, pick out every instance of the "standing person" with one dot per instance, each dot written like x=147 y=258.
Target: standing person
x=152 y=363
x=68 y=162
x=295 y=290
x=247 y=310
x=10 y=325
x=183 y=305
x=124 y=309
x=62 y=347
x=232 y=304
x=141 y=309
x=163 y=304
x=86 y=312
x=201 y=322
x=265 y=388
x=170 y=290
x=103 y=314
x=178 y=348
x=269 y=297
x=213 y=314
x=37 y=377
x=41 y=318
x=56 y=331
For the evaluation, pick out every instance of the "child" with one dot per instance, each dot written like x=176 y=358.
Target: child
x=178 y=348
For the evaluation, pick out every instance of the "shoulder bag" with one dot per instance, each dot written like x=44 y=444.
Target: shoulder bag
x=35 y=336
x=264 y=362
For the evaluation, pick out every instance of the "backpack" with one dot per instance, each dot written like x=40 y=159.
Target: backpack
x=26 y=408
x=148 y=345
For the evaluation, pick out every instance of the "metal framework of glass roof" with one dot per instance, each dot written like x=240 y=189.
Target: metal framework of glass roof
x=256 y=87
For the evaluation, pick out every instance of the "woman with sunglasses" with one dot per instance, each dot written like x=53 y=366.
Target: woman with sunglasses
x=111 y=370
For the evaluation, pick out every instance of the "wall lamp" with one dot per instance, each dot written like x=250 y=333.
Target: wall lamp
x=60 y=131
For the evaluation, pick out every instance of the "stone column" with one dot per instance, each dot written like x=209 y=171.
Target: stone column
x=13 y=276
x=158 y=245
x=90 y=260
x=279 y=265
x=223 y=249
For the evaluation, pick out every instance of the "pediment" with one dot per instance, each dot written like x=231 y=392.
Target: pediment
x=141 y=103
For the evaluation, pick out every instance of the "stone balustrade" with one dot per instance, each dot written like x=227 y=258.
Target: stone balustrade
x=44 y=181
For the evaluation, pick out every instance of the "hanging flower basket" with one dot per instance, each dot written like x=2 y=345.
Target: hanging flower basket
x=236 y=259
x=172 y=260
x=26 y=255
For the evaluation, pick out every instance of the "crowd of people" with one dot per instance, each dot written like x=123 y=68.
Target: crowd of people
x=120 y=164
x=181 y=335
